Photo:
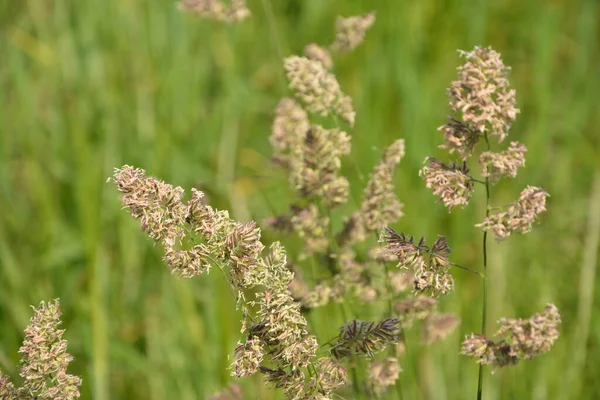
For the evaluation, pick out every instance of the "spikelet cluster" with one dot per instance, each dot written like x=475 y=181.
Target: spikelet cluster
x=380 y=206
x=365 y=338
x=451 y=183
x=217 y=10
x=515 y=340
x=278 y=331
x=317 y=88
x=504 y=164
x=350 y=32
x=482 y=94
x=383 y=374
x=44 y=360
x=316 y=164
x=429 y=266
x=519 y=216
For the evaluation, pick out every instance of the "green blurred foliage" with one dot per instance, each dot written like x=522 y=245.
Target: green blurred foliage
x=89 y=86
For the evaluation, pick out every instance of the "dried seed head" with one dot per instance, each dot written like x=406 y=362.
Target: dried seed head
x=350 y=32
x=380 y=206
x=400 y=281
x=451 y=183
x=45 y=359
x=520 y=216
x=459 y=137
x=384 y=373
x=315 y=52
x=533 y=336
x=479 y=347
x=519 y=339
x=437 y=326
x=298 y=354
x=318 y=297
x=498 y=165
x=317 y=88
x=365 y=338
x=292 y=383
x=482 y=93
x=316 y=164
x=289 y=129
x=217 y=10
x=332 y=375
x=411 y=309
x=430 y=267
x=248 y=357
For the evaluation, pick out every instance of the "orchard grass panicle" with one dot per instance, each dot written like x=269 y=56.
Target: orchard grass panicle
x=517 y=339
x=217 y=10
x=274 y=290
x=44 y=360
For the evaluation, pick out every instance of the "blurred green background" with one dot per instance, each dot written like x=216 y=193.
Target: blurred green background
x=88 y=86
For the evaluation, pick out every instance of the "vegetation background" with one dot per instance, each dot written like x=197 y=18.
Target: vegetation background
x=86 y=86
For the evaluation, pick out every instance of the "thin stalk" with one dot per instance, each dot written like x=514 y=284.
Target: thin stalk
x=484 y=283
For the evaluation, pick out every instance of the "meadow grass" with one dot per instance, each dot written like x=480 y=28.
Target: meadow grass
x=89 y=86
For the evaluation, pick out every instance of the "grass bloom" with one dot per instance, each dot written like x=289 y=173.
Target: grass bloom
x=44 y=360
x=411 y=309
x=350 y=32
x=365 y=338
x=519 y=216
x=380 y=206
x=498 y=165
x=482 y=94
x=315 y=52
x=518 y=339
x=451 y=183
x=430 y=266
x=289 y=129
x=384 y=373
x=437 y=326
x=317 y=88
x=316 y=164
x=236 y=11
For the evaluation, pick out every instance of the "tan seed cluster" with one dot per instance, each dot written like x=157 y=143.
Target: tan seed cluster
x=236 y=11
x=315 y=52
x=498 y=165
x=317 y=88
x=350 y=32
x=380 y=206
x=519 y=216
x=482 y=93
x=44 y=360
x=451 y=183
x=517 y=339
x=384 y=373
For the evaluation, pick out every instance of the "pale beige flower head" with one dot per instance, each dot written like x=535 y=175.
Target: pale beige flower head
x=505 y=164
x=414 y=308
x=518 y=339
x=317 y=53
x=316 y=164
x=317 y=88
x=380 y=206
x=236 y=11
x=289 y=129
x=350 y=32
x=429 y=266
x=451 y=183
x=248 y=357
x=437 y=326
x=384 y=373
x=482 y=94
x=44 y=360
x=459 y=138
x=519 y=216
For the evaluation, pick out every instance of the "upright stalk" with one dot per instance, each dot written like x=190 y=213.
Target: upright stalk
x=484 y=281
